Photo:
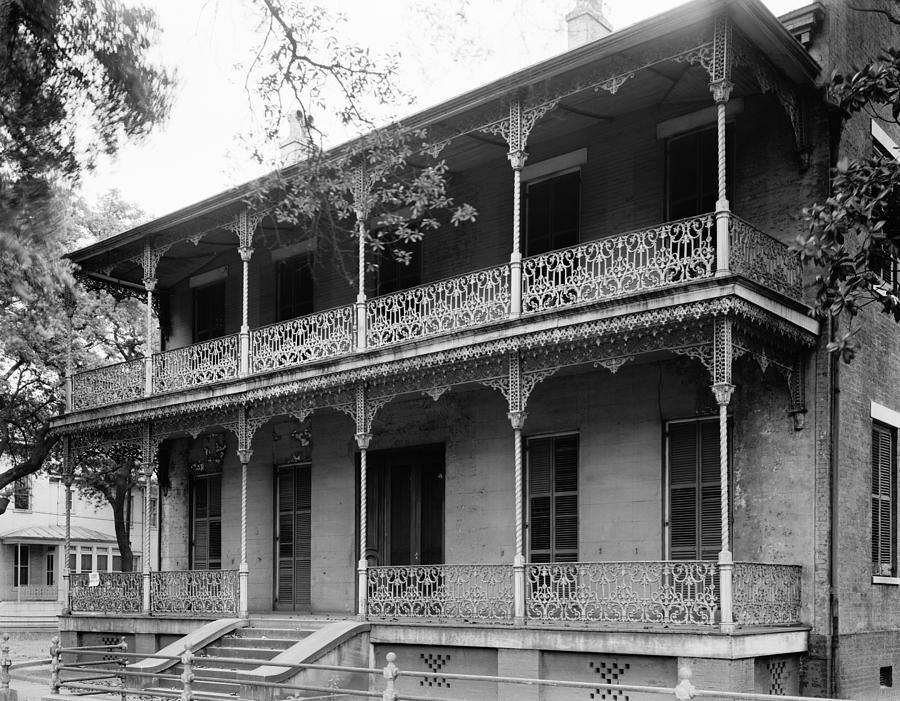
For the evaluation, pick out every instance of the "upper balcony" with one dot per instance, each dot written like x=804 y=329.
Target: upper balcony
x=684 y=131
x=665 y=257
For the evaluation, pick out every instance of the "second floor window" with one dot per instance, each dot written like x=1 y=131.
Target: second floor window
x=692 y=172
x=22 y=494
x=394 y=275
x=294 y=287
x=209 y=311
x=553 y=213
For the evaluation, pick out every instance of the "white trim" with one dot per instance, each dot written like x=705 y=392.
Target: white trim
x=567 y=162
x=208 y=277
x=885 y=580
x=882 y=137
x=884 y=415
x=295 y=249
x=695 y=120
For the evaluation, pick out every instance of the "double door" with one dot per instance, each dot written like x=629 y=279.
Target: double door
x=405 y=506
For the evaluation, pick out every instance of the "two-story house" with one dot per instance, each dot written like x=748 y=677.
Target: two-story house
x=32 y=536
x=593 y=435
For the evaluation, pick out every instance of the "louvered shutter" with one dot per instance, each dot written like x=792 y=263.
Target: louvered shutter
x=294 y=536
x=695 y=519
x=884 y=494
x=553 y=499
x=207 y=527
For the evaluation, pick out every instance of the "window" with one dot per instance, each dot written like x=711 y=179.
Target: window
x=882 y=254
x=553 y=499
x=394 y=275
x=209 y=311
x=695 y=519
x=294 y=287
x=692 y=168
x=51 y=566
x=553 y=212
x=22 y=494
x=207 y=522
x=884 y=497
x=20 y=565
x=154 y=506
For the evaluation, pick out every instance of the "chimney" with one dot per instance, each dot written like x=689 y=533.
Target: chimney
x=587 y=23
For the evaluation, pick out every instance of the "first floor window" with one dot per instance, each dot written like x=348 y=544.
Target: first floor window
x=884 y=496
x=694 y=475
x=20 y=565
x=553 y=499
x=51 y=566
x=207 y=522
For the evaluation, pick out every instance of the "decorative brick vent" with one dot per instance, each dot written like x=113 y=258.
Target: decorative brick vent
x=611 y=672
x=435 y=662
x=777 y=676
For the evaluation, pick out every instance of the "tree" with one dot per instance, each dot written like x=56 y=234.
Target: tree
x=34 y=329
x=305 y=75
x=77 y=80
x=853 y=238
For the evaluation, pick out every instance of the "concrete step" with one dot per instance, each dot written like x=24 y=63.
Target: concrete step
x=267 y=643
x=283 y=633
x=254 y=653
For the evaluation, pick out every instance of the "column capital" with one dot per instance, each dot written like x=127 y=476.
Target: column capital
x=67 y=480
x=721 y=90
x=363 y=440
x=244 y=455
x=246 y=252
x=149 y=283
x=517 y=419
x=723 y=392
x=517 y=158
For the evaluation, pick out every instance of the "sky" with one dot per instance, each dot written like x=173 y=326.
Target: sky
x=200 y=151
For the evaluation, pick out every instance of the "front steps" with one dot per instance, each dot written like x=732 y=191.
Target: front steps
x=261 y=641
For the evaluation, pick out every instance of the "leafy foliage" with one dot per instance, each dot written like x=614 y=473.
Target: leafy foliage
x=68 y=64
x=853 y=238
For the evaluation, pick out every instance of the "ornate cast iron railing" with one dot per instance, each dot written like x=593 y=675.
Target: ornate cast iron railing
x=302 y=340
x=116 y=592
x=197 y=364
x=766 y=594
x=439 y=307
x=472 y=592
x=668 y=254
x=35 y=592
x=764 y=259
x=194 y=592
x=668 y=592
x=108 y=385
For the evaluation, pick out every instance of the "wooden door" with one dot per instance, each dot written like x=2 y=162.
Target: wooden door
x=406 y=506
x=293 y=535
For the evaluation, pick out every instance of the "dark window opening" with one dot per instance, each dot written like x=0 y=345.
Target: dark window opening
x=884 y=496
x=886 y=676
x=294 y=287
x=209 y=311
x=553 y=213
x=394 y=275
x=553 y=499
x=692 y=172
x=20 y=565
x=22 y=494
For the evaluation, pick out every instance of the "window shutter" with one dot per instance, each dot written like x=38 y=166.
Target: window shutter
x=553 y=499
x=884 y=490
x=294 y=535
x=683 y=491
x=695 y=518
